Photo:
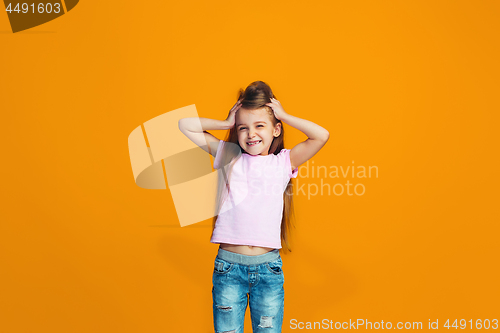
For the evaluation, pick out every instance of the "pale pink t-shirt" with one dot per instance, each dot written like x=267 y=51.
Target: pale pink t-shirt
x=252 y=213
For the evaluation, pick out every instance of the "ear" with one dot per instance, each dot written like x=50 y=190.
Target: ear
x=277 y=130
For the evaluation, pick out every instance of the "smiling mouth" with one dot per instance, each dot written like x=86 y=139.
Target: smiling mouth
x=253 y=143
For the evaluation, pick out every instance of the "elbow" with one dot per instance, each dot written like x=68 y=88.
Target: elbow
x=181 y=124
x=326 y=136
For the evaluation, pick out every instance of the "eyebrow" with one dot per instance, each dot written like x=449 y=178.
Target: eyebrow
x=254 y=123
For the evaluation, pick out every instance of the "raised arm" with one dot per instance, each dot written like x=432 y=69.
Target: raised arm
x=196 y=129
x=317 y=135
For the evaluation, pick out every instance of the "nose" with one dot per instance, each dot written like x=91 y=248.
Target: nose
x=251 y=133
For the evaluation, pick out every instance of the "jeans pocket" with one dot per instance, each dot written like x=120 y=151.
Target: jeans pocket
x=275 y=266
x=222 y=266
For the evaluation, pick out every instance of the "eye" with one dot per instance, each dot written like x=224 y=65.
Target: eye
x=260 y=125
x=242 y=128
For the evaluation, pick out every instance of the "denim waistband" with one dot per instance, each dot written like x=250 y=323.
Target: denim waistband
x=243 y=259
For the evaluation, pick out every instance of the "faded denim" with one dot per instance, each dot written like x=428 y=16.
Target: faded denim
x=240 y=280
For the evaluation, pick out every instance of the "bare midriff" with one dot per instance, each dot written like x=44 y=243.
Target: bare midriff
x=245 y=249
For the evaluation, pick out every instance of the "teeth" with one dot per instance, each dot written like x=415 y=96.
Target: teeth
x=253 y=144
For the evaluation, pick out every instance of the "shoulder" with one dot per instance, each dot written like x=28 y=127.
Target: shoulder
x=284 y=158
x=281 y=157
x=226 y=152
x=284 y=154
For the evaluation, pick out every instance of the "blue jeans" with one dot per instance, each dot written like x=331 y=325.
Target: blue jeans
x=239 y=280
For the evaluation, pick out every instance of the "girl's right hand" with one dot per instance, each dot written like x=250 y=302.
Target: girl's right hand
x=231 y=118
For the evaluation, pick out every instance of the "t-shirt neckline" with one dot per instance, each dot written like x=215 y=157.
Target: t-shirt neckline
x=257 y=155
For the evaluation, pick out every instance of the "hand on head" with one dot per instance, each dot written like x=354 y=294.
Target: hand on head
x=231 y=118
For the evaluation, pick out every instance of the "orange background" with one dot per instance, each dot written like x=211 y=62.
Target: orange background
x=410 y=87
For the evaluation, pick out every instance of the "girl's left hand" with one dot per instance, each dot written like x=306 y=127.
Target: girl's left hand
x=279 y=112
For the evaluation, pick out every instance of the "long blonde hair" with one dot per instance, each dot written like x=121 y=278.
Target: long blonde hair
x=255 y=96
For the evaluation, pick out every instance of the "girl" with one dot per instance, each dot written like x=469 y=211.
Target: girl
x=252 y=215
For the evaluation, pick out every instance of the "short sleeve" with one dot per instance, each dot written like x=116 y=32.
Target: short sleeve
x=218 y=154
x=285 y=153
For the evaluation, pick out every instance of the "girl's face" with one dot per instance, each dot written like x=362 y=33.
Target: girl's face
x=256 y=126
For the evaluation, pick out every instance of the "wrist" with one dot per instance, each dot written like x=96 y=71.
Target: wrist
x=284 y=117
x=226 y=124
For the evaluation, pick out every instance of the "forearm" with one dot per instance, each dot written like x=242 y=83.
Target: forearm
x=312 y=130
x=198 y=125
